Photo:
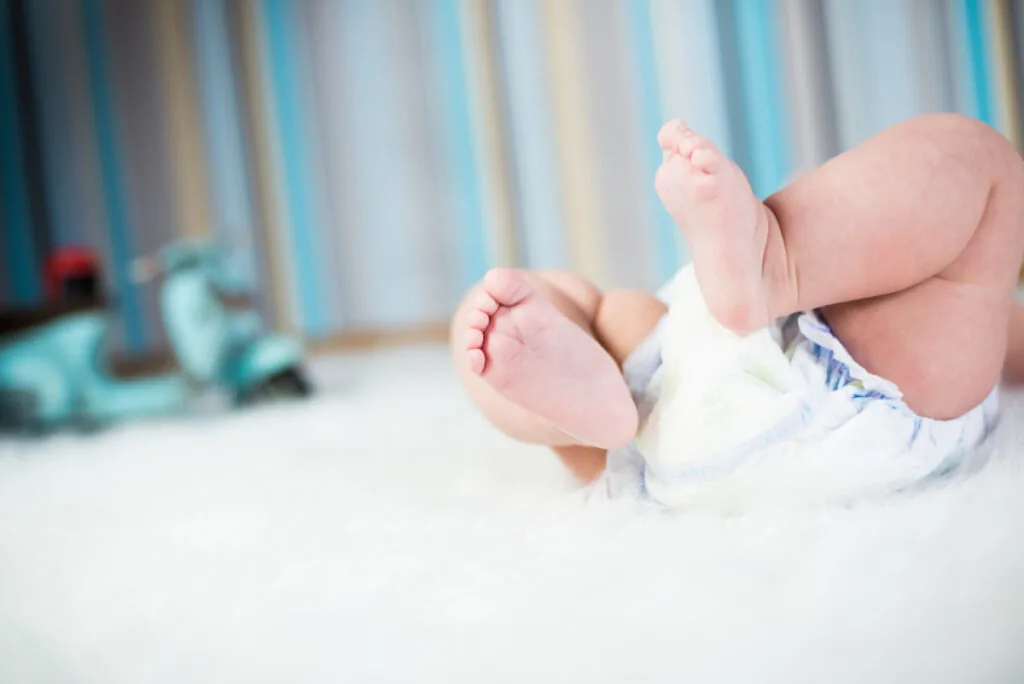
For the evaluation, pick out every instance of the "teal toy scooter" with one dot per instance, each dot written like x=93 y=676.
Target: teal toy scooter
x=53 y=371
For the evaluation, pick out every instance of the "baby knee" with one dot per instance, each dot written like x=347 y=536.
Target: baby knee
x=966 y=145
x=959 y=131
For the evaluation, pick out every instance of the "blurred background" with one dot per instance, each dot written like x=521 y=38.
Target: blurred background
x=365 y=161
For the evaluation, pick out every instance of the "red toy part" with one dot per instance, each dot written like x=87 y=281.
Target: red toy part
x=67 y=266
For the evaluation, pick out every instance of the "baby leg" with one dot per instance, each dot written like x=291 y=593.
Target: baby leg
x=524 y=346
x=910 y=244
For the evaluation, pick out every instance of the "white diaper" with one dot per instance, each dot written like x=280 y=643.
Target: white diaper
x=785 y=412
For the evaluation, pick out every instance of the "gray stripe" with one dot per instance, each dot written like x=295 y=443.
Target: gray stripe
x=616 y=127
x=1016 y=21
x=420 y=158
x=932 y=52
x=731 y=79
x=810 y=82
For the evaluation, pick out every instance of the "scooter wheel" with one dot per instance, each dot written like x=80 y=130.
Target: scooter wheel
x=18 y=413
x=290 y=383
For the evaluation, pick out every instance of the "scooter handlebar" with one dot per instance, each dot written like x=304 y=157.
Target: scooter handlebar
x=144 y=269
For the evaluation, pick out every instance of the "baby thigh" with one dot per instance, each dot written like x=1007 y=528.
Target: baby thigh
x=623 y=319
x=942 y=342
x=911 y=245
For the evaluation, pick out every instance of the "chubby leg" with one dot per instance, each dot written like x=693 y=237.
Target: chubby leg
x=910 y=244
x=524 y=346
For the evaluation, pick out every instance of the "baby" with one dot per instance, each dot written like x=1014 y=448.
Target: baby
x=908 y=247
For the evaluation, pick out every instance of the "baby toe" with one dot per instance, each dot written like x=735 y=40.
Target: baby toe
x=671 y=134
x=478 y=320
x=476 y=361
x=670 y=179
x=506 y=286
x=706 y=159
x=474 y=338
x=484 y=303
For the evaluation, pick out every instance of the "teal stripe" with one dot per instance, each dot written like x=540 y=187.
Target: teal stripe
x=48 y=57
x=666 y=232
x=330 y=121
x=977 y=40
x=291 y=122
x=767 y=135
x=532 y=132
x=23 y=264
x=224 y=147
x=103 y=114
x=5 y=268
x=465 y=165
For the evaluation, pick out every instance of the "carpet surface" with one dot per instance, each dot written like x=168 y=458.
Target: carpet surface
x=384 y=533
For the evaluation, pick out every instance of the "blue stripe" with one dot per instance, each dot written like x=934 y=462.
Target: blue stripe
x=890 y=57
x=17 y=235
x=532 y=134
x=666 y=232
x=845 y=26
x=761 y=82
x=706 y=110
x=380 y=257
x=119 y=232
x=295 y=151
x=977 y=41
x=226 y=155
x=465 y=165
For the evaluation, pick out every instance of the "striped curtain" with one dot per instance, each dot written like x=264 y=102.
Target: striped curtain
x=365 y=161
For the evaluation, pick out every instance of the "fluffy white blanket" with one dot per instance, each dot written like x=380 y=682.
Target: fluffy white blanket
x=384 y=533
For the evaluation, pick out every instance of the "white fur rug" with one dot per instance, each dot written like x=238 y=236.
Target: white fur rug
x=384 y=533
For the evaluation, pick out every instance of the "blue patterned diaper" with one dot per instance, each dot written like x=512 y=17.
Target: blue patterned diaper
x=848 y=435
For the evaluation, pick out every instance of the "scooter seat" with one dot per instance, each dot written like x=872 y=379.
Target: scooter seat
x=142 y=364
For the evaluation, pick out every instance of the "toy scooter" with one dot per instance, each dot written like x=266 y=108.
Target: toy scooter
x=53 y=371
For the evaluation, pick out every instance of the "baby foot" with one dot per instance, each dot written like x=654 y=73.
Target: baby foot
x=725 y=224
x=537 y=358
